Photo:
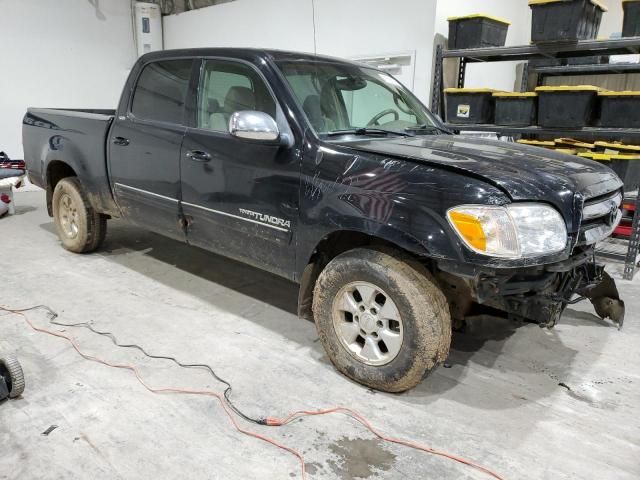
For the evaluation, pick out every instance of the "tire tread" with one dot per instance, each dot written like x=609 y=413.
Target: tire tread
x=96 y=223
x=420 y=291
x=16 y=375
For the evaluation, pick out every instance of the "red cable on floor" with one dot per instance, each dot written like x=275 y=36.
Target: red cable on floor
x=162 y=389
x=271 y=421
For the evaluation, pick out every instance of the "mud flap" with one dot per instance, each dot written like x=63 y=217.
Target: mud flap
x=605 y=299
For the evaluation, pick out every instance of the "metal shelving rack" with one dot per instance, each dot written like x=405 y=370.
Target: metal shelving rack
x=536 y=75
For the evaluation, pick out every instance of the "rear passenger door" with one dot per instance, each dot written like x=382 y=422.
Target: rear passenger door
x=240 y=197
x=144 y=147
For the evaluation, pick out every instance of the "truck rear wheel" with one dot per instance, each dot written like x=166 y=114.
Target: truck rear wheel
x=80 y=228
x=381 y=318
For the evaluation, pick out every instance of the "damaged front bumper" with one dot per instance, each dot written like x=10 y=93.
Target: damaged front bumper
x=538 y=293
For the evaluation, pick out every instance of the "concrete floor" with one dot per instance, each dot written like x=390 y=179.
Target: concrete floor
x=499 y=404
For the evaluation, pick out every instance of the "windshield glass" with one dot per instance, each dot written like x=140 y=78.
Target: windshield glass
x=337 y=97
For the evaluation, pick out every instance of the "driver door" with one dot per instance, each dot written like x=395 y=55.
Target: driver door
x=240 y=197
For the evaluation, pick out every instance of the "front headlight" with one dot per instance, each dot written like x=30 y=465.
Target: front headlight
x=513 y=231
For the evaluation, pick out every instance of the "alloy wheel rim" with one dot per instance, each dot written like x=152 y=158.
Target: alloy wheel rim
x=68 y=214
x=368 y=323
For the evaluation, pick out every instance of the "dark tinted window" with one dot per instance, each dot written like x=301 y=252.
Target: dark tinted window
x=162 y=90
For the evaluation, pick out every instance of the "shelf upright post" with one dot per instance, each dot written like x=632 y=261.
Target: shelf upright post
x=436 y=89
x=462 y=71
x=524 y=84
x=630 y=263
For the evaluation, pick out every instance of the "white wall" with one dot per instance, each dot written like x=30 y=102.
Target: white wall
x=361 y=28
x=282 y=24
x=354 y=28
x=63 y=53
x=611 y=20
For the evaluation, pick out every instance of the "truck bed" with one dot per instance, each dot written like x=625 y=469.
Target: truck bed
x=77 y=137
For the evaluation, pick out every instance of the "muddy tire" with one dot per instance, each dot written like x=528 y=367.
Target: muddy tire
x=381 y=318
x=80 y=228
x=11 y=370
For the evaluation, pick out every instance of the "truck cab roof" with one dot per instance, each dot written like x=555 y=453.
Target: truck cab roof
x=245 y=53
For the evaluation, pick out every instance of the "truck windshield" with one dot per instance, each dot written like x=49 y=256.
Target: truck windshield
x=340 y=98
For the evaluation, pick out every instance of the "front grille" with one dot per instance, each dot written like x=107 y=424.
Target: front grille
x=600 y=216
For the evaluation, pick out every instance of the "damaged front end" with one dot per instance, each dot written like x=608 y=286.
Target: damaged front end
x=538 y=294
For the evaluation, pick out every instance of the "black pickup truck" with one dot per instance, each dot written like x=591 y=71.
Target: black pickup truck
x=334 y=175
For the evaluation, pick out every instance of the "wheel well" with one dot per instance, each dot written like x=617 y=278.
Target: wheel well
x=56 y=171
x=330 y=247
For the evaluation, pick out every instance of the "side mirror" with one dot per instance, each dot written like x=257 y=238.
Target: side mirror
x=253 y=125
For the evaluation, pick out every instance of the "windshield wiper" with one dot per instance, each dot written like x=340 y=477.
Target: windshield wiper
x=429 y=128
x=368 y=131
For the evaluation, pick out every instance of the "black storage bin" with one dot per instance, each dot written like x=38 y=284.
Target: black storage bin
x=545 y=62
x=591 y=60
x=627 y=167
x=631 y=23
x=475 y=31
x=619 y=109
x=516 y=109
x=567 y=107
x=470 y=105
x=565 y=20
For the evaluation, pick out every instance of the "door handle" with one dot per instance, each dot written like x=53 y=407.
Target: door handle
x=198 y=156
x=123 y=142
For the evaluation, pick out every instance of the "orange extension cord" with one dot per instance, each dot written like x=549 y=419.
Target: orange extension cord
x=271 y=421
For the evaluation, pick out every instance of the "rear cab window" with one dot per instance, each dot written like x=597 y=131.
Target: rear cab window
x=161 y=91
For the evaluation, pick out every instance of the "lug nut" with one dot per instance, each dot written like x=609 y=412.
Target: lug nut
x=379 y=323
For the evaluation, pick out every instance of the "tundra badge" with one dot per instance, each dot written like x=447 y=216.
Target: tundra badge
x=261 y=217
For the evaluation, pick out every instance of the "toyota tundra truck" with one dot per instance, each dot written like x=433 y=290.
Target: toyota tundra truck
x=335 y=176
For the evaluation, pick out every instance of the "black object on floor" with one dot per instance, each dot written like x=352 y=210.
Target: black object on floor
x=516 y=109
x=469 y=105
x=631 y=23
x=11 y=377
x=565 y=20
x=476 y=31
x=569 y=107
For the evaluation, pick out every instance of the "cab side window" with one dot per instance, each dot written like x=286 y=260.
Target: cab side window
x=161 y=91
x=228 y=87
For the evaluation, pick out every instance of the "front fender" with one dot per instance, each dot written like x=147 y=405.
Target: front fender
x=398 y=222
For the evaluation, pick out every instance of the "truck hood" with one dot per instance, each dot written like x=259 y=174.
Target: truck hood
x=523 y=172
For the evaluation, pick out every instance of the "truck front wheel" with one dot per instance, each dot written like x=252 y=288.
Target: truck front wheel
x=80 y=228
x=381 y=318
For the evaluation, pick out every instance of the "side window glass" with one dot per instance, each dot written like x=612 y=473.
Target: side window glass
x=161 y=91
x=228 y=87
